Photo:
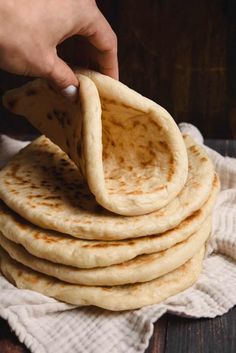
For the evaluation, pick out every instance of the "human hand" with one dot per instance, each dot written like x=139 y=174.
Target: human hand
x=31 y=30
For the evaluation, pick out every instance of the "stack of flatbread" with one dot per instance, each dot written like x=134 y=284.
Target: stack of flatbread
x=111 y=206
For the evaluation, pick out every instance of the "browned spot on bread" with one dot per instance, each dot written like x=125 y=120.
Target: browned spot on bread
x=131 y=242
x=215 y=181
x=160 y=188
x=144 y=164
x=144 y=126
x=101 y=245
x=46 y=238
x=32 y=279
x=203 y=159
x=52 y=198
x=54 y=205
x=135 y=192
x=122 y=183
x=87 y=222
x=155 y=124
x=163 y=144
x=37 y=235
x=21 y=222
x=193 y=149
x=116 y=123
x=150 y=144
x=111 y=101
x=107 y=289
x=152 y=153
x=145 y=177
x=34 y=196
x=136 y=123
x=196 y=185
x=171 y=169
x=34 y=187
x=126 y=106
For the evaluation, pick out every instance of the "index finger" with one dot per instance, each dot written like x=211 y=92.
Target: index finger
x=105 y=41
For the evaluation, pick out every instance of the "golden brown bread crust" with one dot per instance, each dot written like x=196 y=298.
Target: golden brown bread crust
x=128 y=148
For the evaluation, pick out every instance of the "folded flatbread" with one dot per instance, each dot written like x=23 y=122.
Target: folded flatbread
x=128 y=148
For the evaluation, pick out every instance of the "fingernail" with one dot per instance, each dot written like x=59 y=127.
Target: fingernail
x=70 y=92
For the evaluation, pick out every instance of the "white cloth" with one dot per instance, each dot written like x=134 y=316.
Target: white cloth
x=45 y=325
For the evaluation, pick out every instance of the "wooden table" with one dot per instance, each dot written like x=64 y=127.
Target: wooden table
x=172 y=334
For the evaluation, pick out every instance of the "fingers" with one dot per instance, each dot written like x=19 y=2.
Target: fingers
x=105 y=41
x=61 y=75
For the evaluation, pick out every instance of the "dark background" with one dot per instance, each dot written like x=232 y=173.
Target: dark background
x=181 y=54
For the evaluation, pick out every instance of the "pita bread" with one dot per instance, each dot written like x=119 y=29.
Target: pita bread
x=126 y=297
x=43 y=186
x=140 y=269
x=129 y=149
x=64 y=249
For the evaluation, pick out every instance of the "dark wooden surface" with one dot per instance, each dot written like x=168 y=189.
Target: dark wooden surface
x=172 y=334
x=180 y=335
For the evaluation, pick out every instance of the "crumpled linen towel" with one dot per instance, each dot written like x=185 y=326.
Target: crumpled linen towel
x=45 y=325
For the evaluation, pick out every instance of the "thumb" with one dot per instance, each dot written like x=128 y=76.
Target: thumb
x=62 y=76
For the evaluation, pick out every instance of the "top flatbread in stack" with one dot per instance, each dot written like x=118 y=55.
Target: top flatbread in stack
x=127 y=147
x=44 y=186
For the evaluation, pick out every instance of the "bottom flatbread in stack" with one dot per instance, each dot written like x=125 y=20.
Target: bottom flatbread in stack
x=126 y=297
